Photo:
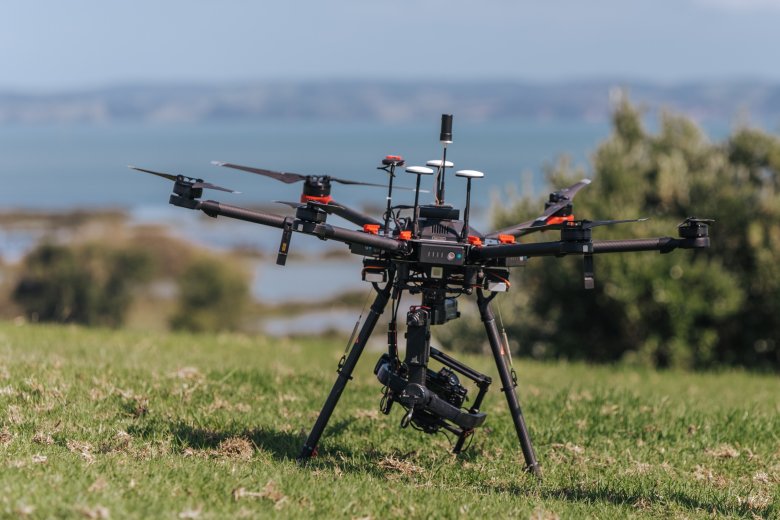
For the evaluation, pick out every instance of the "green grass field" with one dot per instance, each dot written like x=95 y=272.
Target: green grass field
x=99 y=423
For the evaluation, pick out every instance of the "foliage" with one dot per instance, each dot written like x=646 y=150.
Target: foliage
x=213 y=295
x=106 y=282
x=208 y=426
x=89 y=284
x=683 y=309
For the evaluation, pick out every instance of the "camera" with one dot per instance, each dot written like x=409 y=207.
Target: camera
x=443 y=310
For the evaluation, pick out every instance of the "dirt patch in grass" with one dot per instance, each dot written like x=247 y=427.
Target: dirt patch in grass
x=235 y=448
x=5 y=436
x=724 y=451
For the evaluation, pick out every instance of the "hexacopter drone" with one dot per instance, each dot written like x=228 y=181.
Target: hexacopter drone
x=427 y=249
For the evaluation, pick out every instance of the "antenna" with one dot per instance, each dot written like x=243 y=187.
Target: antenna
x=440 y=166
x=388 y=164
x=468 y=174
x=419 y=171
x=446 y=138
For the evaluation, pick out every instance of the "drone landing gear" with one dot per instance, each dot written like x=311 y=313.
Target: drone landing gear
x=345 y=369
x=508 y=382
x=432 y=400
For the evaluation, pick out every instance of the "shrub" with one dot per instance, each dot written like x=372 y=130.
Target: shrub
x=687 y=308
x=213 y=295
x=88 y=284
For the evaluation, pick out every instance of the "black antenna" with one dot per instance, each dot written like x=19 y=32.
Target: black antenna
x=388 y=164
x=419 y=171
x=468 y=174
x=446 y=138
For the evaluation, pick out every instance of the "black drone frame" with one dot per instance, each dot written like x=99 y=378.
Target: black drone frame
x=434 y=254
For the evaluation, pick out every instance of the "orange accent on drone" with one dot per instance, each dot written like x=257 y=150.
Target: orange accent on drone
x=559 y=220
x=475 y=241
x=506 y=239
x=405 y=235
x=327 y=199
x=371 y=228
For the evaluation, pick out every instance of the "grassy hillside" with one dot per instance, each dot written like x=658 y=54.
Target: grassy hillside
x=98 y=423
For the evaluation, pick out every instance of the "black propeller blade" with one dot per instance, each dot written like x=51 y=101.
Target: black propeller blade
x=560 y=199
x=360 y=183
x=286 y=177
x=196 y=183
x=585 y=224
x=589 y=224
x=329 y=208
x=168 y=176
x=290 y=178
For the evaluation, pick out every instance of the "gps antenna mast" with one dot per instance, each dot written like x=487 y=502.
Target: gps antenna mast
x=388 y=164
x=417 y=170
x=446 y=138
x=468 y=175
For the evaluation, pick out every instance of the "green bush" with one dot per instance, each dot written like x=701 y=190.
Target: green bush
x=90 y=284
x=213 y=295
x=684 y=309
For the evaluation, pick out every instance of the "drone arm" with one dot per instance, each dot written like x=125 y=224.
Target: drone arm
x=349 y=236
x=352 y=215
x=512 y=230
x=662 y=244
x=213 y=208
x=324 y=231
x=561 y=248
x=514 y=250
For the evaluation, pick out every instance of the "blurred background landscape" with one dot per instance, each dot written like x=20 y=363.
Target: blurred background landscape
x=674 y=105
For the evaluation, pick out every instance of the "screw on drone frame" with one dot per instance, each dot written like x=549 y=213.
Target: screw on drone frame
x=468 y=174
x=419 y=171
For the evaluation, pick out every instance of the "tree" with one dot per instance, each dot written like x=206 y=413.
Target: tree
x=685 y=309
x=90 y=284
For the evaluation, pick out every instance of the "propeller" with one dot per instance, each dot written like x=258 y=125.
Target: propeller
x=290 y=177
x=329 y=208
x=558 y=200
x=590 y=224
x=583 y=224
x=196 y=183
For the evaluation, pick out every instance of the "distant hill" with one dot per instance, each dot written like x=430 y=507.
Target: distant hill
x=391 y=101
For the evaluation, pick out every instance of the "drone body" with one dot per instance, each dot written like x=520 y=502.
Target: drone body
x=427 y=250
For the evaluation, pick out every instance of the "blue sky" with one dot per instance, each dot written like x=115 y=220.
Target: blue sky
x=48 y=45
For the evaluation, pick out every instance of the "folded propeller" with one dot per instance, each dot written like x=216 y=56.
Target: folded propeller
x=558 y=201
x=291 y=178
x=329 y=208
x=195 y=183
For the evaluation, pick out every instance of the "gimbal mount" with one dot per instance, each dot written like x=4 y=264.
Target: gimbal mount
x=434 y=254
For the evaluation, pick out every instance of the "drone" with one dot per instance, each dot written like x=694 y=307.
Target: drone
x=428 y=250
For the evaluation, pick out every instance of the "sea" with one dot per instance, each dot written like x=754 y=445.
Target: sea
x=61 y=167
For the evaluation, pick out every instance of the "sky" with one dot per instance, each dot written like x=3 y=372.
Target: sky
x=54 y=45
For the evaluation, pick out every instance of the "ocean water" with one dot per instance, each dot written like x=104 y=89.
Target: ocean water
x=85 y=167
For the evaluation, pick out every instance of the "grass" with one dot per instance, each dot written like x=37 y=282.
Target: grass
x=131 y=424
